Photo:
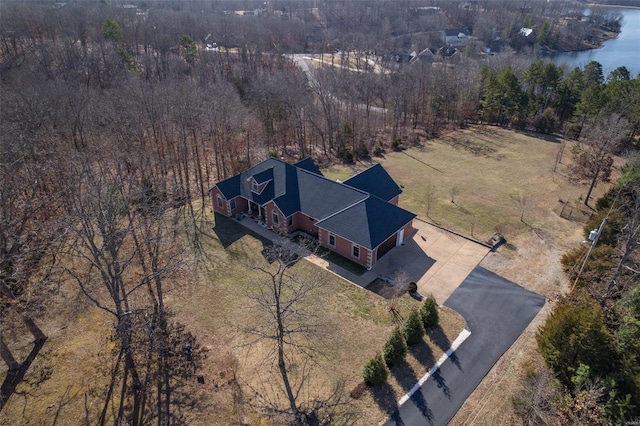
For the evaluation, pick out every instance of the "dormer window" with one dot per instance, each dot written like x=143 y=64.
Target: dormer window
x=254 y=186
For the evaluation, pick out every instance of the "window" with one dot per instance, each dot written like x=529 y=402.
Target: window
x=290 y=222
x=274 y=216
x=355 y=252
x=219 y=198
x=232 y=204
x=332 y=240
x=254 y=186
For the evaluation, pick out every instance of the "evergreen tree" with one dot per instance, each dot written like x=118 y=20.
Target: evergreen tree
x=375 y=371
x=395 y=349
x=429 y=313
x=413 y=328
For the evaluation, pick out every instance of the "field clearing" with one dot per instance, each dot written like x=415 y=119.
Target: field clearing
x=214 y=307
x=355 y=324
x=490 y=168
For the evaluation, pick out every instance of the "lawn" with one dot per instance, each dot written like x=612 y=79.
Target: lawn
x=355 y=322
x=487 y=170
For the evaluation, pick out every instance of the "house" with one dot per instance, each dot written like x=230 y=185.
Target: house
x=358 y=218
x=456 y=37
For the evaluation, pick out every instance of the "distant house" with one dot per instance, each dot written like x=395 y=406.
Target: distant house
x=526 y=32
x=358 y=218
x=456 y=37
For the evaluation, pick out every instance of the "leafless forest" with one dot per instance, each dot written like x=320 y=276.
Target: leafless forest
x=116 y=117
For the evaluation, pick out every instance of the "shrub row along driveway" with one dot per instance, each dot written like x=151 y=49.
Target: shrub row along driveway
x=496 y=311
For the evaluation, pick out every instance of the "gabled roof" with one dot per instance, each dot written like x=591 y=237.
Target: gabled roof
x=263 y=176
x=309 y=165
x=376 y=181
x=368 y=223
x=357 y=209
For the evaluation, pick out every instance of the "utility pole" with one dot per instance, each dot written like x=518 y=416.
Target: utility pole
x=594 y=236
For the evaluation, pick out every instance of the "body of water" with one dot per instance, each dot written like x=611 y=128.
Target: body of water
x=622 y=51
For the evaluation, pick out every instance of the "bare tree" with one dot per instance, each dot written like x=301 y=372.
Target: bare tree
x=429 y=196
x=453 y=193
x=522 y=201
x=593 y=159
x=287 y=323
x=123 y=250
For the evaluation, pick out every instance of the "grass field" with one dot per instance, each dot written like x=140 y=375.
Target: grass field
x=490 y=169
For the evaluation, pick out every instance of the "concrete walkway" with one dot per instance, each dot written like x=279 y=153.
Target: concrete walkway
x=437 y=260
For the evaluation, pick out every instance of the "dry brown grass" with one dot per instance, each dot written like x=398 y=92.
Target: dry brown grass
x=490 y=167
x=355 y=324
x=487 y=165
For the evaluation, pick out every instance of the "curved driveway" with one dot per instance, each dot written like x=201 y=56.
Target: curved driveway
x=496 y=311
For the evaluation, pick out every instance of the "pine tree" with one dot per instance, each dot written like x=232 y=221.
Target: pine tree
x=429 y=313
x=375 y=371
x=395 y=349
x=413 y=328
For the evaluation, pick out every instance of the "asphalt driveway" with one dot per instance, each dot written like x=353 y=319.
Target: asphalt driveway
x=497 y=311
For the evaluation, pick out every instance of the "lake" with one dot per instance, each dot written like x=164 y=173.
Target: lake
x=622 y=51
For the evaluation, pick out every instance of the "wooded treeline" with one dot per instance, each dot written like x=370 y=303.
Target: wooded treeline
x=591 y=341
x=112 y=123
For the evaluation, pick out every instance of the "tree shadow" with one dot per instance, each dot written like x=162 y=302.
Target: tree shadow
x=386 y=399
x=437 y=336
x=441 y=382
x=418 y=399
x=15 y=377
x=407 y=378
x=423 y=354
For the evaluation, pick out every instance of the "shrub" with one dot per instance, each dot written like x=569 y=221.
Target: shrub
x=362 y=151
x=547 y=122
x=375 y=371
x=413 y=328
x=395 y=349
x=429 y=312
x=378 y=150
x=396 y=143
x=412 y=287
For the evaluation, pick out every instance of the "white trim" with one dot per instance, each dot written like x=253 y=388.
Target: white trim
x=464 y=334
x=353 y=248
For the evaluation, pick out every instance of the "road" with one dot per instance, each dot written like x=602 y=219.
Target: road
x=301 y=61
x=496 y=311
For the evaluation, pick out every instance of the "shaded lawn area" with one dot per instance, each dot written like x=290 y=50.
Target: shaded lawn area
x=355 y=322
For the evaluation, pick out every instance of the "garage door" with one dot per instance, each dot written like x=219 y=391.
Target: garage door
x=386 y=246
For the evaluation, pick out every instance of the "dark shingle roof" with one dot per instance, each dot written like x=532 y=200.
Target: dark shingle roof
x=263 y=176
x=321 y=197
x=368 y=223
x=376 y=181
x=455 y=32
x=356 y=209
x=309 y=165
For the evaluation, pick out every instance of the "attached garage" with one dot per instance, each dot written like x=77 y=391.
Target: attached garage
x=386 y=246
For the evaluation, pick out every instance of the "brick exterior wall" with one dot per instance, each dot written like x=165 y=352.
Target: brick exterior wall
x=304 y=223
x=281 y=225
x=217 y=195
x=344 y=248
